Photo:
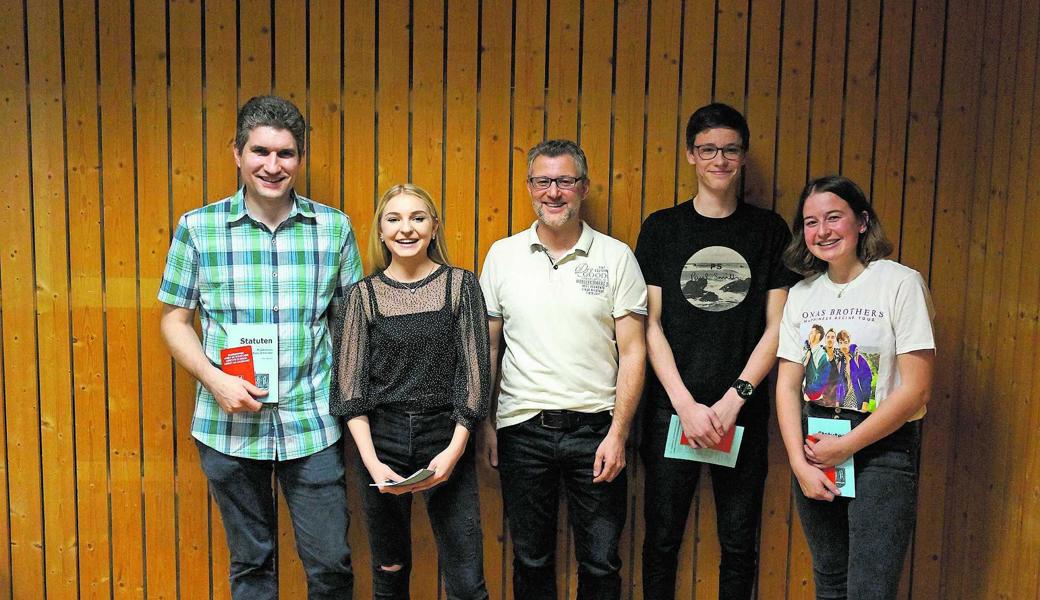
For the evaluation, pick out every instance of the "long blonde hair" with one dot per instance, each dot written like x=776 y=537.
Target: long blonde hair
x=437 y=250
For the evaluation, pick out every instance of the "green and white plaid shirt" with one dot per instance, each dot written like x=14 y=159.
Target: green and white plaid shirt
x=235 y=270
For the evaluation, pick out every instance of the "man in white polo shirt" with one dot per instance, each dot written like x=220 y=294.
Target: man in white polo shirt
x=569 y=303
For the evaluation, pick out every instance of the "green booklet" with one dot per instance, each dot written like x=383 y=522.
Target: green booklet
x=725 y=454
x=843 y=475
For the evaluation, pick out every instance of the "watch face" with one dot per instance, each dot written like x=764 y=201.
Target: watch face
x=744 y=388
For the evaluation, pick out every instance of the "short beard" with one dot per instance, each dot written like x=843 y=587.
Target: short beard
x=567 y=217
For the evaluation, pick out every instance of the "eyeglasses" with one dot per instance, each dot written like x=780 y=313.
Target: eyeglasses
x=708 y=152
x=564 y=183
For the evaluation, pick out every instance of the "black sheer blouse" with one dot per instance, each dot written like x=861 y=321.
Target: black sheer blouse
x=417 y=346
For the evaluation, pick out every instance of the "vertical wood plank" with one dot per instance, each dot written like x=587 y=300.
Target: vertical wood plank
x=759 y=183
x=857 y=144
x=492 y=213
x=119 y=222
x=392 y=95
x=289 y=64
x=359 y=123
x=153 y=235
x=561 y=92
x=1025 y=580
x=50 y=227
x=89 y=376
x=629 y=106
x=891 y=130
x=827 y=85
x=528 y=105
x=763 y=83
x=221 y=180
x=325 y=116
x=665 y=127
x=731 y=52
x=21 y=399
x=460 y=142
x=916 y=250
x=187 y=170
x=493 y=125
x=697 y=83
x=289 y=77
x=953 y=256
x=254 y=48
x=1001 y=329
x=427 y=142
x=597 y=68
x=970 y=415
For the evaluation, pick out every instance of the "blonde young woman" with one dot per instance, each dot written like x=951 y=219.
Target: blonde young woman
x=858 y=544
x=414 y=366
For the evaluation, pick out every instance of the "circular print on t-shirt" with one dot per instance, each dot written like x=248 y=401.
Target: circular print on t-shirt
x=715 y=279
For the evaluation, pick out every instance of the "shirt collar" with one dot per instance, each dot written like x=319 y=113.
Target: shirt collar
x=301 y=206
x=583 y=245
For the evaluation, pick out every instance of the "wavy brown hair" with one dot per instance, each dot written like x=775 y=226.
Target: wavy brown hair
x=872 y=245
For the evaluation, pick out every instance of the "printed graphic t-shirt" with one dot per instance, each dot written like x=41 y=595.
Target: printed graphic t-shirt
x=847 y=336
x=715 y=276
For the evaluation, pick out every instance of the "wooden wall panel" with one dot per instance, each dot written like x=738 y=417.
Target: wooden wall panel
x=23 y=566
x=89 y=375
x=50 y=225
x=121 y=121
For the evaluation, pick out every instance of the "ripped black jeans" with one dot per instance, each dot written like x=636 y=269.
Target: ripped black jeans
x=407 y=442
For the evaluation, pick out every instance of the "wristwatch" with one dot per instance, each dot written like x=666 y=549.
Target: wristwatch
x=744 y=388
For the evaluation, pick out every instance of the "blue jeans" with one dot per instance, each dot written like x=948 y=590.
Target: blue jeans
x=858 y=544
x=314 y=490
x=407 y=442
x=669 y=490
x=532 y=461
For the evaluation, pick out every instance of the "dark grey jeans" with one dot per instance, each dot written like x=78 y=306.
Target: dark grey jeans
x=858 y=544
x=315 y=492
x=407 y=442
x=668 y=492
x=533 y=461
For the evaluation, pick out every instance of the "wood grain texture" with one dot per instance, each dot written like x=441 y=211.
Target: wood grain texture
x=122 y=120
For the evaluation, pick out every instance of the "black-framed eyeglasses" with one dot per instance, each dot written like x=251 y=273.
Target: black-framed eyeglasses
x=709 y=151
x=564 y=183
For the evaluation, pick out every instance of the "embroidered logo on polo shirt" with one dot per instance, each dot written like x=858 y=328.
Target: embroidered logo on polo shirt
x=592 y=280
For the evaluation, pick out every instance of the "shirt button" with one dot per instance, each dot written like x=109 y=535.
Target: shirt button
x=274 y=274
x=276 y=309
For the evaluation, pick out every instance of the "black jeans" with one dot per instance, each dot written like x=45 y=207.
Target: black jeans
x=532 y=461
x=407 y=442
x=670 y=486
x=316 y=494
x=858 y=544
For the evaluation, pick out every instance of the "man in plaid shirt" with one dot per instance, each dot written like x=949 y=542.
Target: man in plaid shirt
x=267 y=256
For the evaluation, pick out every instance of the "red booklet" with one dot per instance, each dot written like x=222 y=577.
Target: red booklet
x=722 y=446
x=238 y=361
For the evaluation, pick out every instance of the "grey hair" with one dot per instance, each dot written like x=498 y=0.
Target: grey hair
x=554 y=148
x=270 y=111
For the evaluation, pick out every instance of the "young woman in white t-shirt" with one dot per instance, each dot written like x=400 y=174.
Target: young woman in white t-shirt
x=883 y=309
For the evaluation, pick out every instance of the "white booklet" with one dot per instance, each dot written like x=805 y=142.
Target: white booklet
x=263 y=337
x=420 y=475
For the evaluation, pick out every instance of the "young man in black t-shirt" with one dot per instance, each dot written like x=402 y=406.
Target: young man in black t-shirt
x=716 y=291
